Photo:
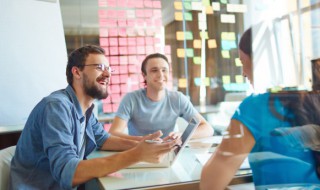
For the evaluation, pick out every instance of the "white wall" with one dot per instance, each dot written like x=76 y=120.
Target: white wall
x=33 y=56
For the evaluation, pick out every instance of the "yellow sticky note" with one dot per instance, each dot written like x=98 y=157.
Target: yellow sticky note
x=178 y=5
x=180 y=35
x=226 y=79
x=180 y=52
x=212 y=43
x=239 y=78
x=197 y=60
x=205 y=3
x=178 y=16
x=206 y=81
x=182 y=83
x=197 y=44
x=209 y=10
x=225 y=54
x=228 y=36
x=238 y=62
x=204 y=35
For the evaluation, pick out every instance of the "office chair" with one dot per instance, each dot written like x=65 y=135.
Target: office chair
x=5 y=162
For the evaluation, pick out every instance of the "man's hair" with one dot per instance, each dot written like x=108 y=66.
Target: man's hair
x=245 y=43
x=77 y=58
x=151 y=56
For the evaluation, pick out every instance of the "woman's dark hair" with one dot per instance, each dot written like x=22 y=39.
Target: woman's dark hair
x=306 y=110
x=151 y=56
x=77 y=58
x=245 y=44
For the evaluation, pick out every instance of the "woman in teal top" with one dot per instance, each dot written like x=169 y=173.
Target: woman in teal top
x=276 y=131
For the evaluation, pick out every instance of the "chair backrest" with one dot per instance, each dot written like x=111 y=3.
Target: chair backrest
x=5 y=162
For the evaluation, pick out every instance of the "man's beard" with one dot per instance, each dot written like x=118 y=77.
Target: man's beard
x=93 y=90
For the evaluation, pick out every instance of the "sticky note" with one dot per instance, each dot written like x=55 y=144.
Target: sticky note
x=123 y=42
x=206 y=3
x=113 y=32
x=197 y=60
x=103 y=32
x=196 y=6
x=227 y=18
x=115 y=79
x=177 y=5
x=216 y=6
x=239 y=78
x=123 y=59
x=113 y=41
x=228 y=36
x=187 y=6
x=204 y=35
x=236 y=8
x=180 y=52
x=104 y=41
x=226 y=79
x=209 y=10
x=212 y=43
x=238 y=62
x=190 y=52
x=182 y=83
x=225 y=54
x=114 y=50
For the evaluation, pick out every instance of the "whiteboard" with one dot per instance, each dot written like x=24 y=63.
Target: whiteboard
x=33 y=56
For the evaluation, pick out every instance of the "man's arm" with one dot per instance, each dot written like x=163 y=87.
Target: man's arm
x=117 y=128
x=228 y=157
x=204 y=129
x=99 y=167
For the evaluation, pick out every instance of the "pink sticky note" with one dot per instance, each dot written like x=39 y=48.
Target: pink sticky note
x=102 y=13
x=113 y=32
x=156 y=4
x=122 y=14
x=107 y=22
x=132 y=50
x=124 y=88
x=103 y=32
x=112 y=3
x=132 y=59
x=148 y=13
x=107 y=108
x=122 y=4
x=132 y=41
x=140 y=22
x=122 y=32
x=148 y=4
x=149 y=49
x=106 y=50
x=123 y=42
x=131 y=32
x=123 y=59
x=156 y=40
x=150 y=32
x=132 y=68
x=122 y=22
x=115 y=79
x=140 y=41
x=138 y=3
x=114 y=50
x=131 y=4
x=123 y=69
x=149 y=22
x=140 y=32
x=113 y=41
x=167 y=49
x=157 y=13
x=115 y=107
x=115 y=69
x=123 y=50
x=158 y=22
x=131 y=22
x=124 y=78
x=114 y=60
x=115 y=97
x=149 y=40
x=140 y=58
x=139 y=13
x=104 y=41
x=103 y=22
x=115 y=88
x=112 y=13
x=141 y=50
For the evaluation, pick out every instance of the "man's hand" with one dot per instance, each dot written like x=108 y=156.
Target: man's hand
x=154 y=152
x=172 y=136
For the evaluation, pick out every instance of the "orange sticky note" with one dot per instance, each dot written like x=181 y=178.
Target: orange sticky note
x=212 y=43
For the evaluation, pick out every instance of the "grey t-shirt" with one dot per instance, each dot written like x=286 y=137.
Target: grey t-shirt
x=145 y=116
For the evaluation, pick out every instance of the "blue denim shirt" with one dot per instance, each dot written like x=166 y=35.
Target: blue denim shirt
x=47 y=153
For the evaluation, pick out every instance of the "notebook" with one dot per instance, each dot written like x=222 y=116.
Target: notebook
x=172 y=156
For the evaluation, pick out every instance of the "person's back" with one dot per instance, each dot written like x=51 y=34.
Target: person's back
x=276 y=158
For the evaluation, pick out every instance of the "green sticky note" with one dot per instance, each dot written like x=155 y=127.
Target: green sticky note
x=187 y=5
x=197 y=60
x=190 y=52
x=188 y=35
x=188 y=16
x=204 y=35
x=205 y=3
x=224 y=1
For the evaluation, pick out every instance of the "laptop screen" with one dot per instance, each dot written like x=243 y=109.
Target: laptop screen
x=186 y=135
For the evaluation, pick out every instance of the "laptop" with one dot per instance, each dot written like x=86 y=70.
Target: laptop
x=173 y=155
